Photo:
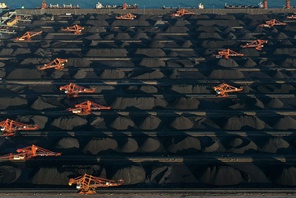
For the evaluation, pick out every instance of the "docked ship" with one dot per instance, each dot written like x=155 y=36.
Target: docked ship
x=124 y=6
x=67 y=6
x=3 y=6
x=260 y=5
x=57 y=6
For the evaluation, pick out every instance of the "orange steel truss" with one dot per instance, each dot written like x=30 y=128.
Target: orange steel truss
x=181 y=12
x=227 y=53
x=87 y=107
x=10 y=127
x=57 y=64
x=72 y=90
x=87 y=184
x=257 y=44
x=27 y=36
x=30 y=152
x=223 y=89
x=77 y=29
x=128 y=16
x=272 y=22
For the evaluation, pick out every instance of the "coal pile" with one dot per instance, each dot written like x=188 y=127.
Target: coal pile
x=166 y=126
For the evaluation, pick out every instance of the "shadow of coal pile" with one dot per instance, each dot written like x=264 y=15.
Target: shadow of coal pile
x=166 y=127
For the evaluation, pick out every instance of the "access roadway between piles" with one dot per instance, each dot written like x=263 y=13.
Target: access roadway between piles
x=146 y=192
x=192 y=133
x=196 y=96
x=179 y=69
x=212 y=113
x=161 y=82
x=172 y=159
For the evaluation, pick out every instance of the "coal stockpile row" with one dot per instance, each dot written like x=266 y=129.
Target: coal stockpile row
x=166 y=122
x=171 y=112
x=158 y=174
x=145 y=55
x=177 y=90
x=154 y=62
x=148 y=58
x=149 y=103
x=144 y=74
x=142 y=144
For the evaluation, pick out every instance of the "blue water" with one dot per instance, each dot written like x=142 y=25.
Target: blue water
x=146 y=3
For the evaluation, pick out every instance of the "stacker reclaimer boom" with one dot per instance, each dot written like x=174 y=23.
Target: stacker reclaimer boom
x=77 y=29
x=257 y=44
x=181 y=12
x=223 y=89
x=57 y=64
x=87 y=184
x=86 y=107
x=10 y=127
x=272 y=22
x=72 y=90
x=29 y=152
x=226 y=53
x=27 y=36
x=128 y=16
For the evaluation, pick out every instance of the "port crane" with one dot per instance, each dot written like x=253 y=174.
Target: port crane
x=86 y=107
x=223 y=89
x=77 y=29
x=181 y=12
x=29 y=152
x=272 y=22
x=128 y=16
x=87 y=184
x=27 y=36
x=288 y=4
x=10 y=127
x=257 y=44
x=124 y=6
x=72 y=90
x=57 y=64
x=227 y=53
